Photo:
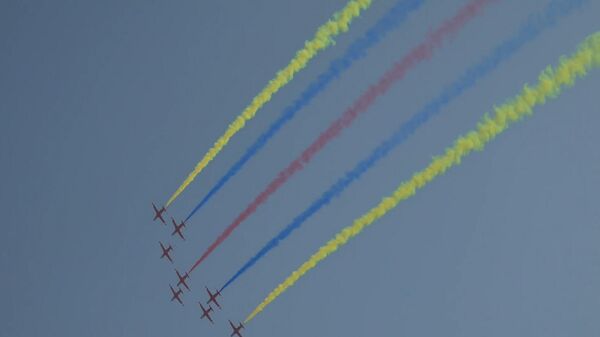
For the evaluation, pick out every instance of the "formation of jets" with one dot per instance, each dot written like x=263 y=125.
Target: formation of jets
x=183 y=278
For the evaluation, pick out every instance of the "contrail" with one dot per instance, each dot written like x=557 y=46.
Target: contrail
x=529 y=30
x=423 y=51
x=323 y=38
x=394 y=17
x=550 y=84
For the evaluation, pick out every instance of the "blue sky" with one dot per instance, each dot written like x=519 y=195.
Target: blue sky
x=107 y=107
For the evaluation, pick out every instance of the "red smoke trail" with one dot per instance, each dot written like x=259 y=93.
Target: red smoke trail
x=420 y=53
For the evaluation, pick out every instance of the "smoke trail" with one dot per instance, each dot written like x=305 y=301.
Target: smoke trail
x=528 y=31
x=357 y=50
x=361 y=105
x=338 y=24
x=551 y=83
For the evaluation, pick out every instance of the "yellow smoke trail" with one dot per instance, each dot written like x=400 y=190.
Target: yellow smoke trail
x=338 y=24
x=550 y=84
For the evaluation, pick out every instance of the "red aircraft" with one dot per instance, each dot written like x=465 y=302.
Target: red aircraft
x=158 y=213
x=236 y=330
x=176 y=294
x=182 y=279
x=206 y=313
x=213 y=297
x=178 y=228
x=165 y=251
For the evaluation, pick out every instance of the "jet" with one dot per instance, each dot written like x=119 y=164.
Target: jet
x=166 y=251
x=178 y=228
x=236 y=330
x=176 y=294
x=158 y=213
x=206 y=312
x=182 y=279
x=213 y=297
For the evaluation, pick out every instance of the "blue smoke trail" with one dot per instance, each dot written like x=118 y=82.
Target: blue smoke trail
x=531 y=29
x=355 y=51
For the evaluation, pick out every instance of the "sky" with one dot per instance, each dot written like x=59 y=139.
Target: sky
x=107 y=106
